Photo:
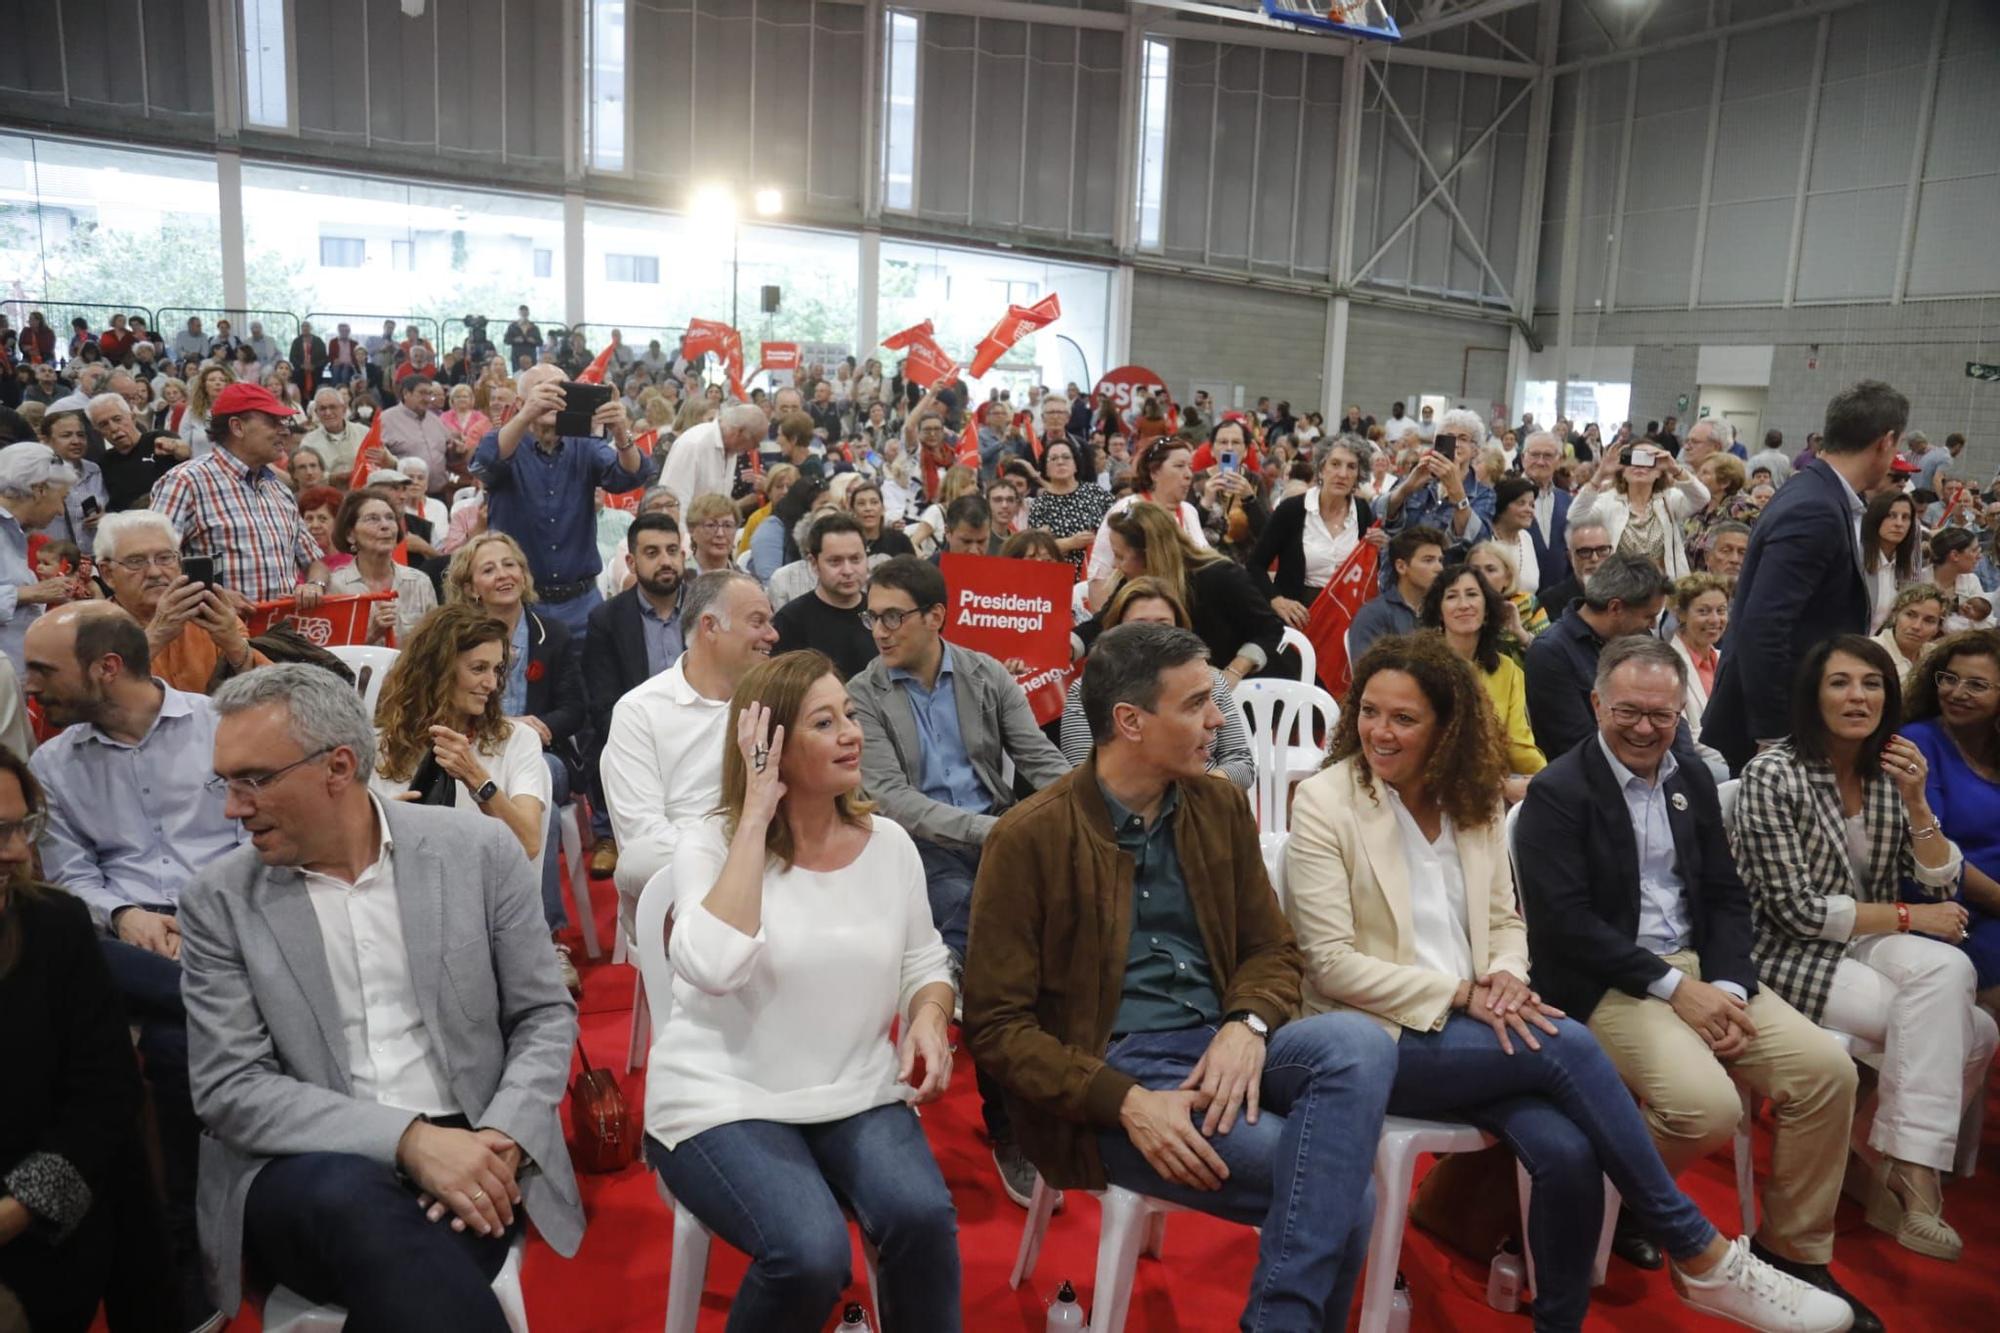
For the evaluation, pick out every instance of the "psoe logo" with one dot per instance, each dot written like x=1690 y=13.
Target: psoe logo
x=317 y=630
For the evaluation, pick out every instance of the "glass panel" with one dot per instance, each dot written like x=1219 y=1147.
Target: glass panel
x=899 y=110
x=607 y=84
x=1153 y=141
x=266 y=89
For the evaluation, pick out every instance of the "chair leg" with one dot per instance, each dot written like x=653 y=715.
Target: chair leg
x=1120 y=1232
x=870 y=1260
x=1970 y=1126
x=688 y=1272
x=575 y=825
x=1612 y=1203
x=1524 y=1187
x=507 y=1289
x=1041 y=1206
x=641 y=1036
x=1394 y=1165
x=1156 y=1233
x=1746 y=1171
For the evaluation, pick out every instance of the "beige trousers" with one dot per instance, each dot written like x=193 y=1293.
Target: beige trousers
x=1692 y=1104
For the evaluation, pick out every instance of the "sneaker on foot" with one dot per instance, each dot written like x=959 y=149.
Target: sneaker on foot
x=567 y=969
x=1746 y=1290
x=1017 y=1173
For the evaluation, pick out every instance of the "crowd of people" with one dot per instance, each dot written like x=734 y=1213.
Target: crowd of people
x=1663 y=770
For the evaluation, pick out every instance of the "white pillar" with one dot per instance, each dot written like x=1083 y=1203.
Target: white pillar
x=868 y=287
x=573 y=257
x=1118 y=324
x=1333 y=371
x=229 y=198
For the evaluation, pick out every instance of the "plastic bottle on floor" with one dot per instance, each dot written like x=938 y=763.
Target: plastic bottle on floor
x=1064 y=1311
x=1504 y=1279
x=1399 y=1306
x=854 y=1319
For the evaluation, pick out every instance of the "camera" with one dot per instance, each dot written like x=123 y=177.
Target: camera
x=476 y=325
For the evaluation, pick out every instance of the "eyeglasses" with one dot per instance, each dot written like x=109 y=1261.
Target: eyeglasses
x=245 y=789
x=1591 y=552
x=1950 y=681
x=135 y=564
x=1663 y=719
x=889 y=620
x=715 y=525
x=29 y=827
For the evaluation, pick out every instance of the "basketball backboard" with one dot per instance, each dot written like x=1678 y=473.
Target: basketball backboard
x=1368 y=19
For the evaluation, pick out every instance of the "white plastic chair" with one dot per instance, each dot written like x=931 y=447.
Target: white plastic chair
x=285 y=1311
x=1283 y=717
x=688 y=1267
x=573 y=830
x=370 y=664
x=1726 y=793
x=1308 y=655
x=1127 y=1222
x=1273 y=847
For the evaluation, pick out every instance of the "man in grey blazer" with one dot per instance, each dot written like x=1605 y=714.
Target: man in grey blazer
x=938 y=722
x=377 y=1036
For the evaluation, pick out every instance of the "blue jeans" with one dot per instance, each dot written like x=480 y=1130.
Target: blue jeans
x=552 y=899
x=574 y=613
x=1303 y=1172
x=1570 y=1121
x=948 y=876
x=775 y=1192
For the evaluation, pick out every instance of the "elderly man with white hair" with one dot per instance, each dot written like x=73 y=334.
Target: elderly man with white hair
x=130 y=466
x=545 y=496
x=34 y=485
x=195 y=637
x=1441 y=491
x=432 y=510
x=702 y=460
x=336 y=438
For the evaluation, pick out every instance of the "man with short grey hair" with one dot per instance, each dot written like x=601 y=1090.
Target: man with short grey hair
x=337 y=438
x=702 y=460
x=378 y=1039
x=1541 y=454
x=128 y=469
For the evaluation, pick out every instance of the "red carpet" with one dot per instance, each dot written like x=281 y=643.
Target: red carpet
x=618 y=1281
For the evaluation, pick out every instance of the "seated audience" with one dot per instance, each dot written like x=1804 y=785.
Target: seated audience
x=1624 y=597
x=369 y=527
x=1701 y=614
x=1224 y=605
x=865 y=502
x=1514 y=500
x=73 y=1176
x=661 y=768
x=1728 y=543
x=940 y=720
x=68 y=434
x=193 y=635
x=1828 y=824
x=1441 y=491
x=1586 y=547
x=306 y=468
x=131 y=464
x=336 y=439
x=1914 y=621
x=329 y=1165
x=774 y=1099
x=1496 y=562
x=1402 y=896
x=1032 y=544
x=1541 y=455
x=1149 y=601
x=1952 y=714
x=1070 y=505
x=829 y=617
x=1414 y=559
x=1163 y=475
x=319 y=506
x=1729 y=503
x=1891 y=543
x=1641 y=495
x=1309 y=537
x=711 y=530
x=1175 y=1068
x=1464 y=608
x=1639 y=927
x=33 y=486
x=927 y=533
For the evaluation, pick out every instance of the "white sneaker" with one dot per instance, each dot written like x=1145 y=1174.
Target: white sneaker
x=1746 y=1290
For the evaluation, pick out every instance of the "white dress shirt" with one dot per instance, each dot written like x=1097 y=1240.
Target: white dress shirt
x=389 y=1052
x=1325 y=549
x=697 y=464
x=661 y=770
x=1441 y=937
x=516 y=767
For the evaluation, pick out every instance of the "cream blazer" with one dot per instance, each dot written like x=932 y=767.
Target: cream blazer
x=1348 y=891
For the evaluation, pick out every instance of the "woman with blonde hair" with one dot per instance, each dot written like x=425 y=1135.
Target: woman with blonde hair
x=463 y=420
x=928 y=530
x=800 y=935
x=1915 y=621
x=711 y=530
x=1498 y=562
x=1728 y=502
x=780 y=478
x=1225 y=609
x=1701 y=606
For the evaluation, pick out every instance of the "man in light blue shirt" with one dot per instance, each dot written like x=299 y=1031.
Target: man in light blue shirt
x=130 y=823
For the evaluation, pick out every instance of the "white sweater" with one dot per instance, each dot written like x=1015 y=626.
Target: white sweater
x=661 y=770
x=790 y=1024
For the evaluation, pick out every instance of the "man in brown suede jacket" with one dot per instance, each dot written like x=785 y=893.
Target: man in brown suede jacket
x=1131 y=982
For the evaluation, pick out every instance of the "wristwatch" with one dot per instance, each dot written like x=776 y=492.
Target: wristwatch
x=1464 y=504
x=1251 y=1021
x=487 y=791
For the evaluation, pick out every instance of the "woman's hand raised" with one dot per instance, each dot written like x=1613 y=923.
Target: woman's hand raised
x=762 y=749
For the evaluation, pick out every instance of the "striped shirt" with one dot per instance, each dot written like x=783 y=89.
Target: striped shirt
x=247 y=521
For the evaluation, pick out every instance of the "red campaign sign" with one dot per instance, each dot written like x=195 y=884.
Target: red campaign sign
x=336 y=621
x=780 y=356
x=1126 y=388
x=1015 y=610
x=1016 y=324
x=1333 y=612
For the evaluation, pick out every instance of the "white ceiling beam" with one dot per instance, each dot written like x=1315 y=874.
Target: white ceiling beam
x=1387 y=53
x=1465 y=14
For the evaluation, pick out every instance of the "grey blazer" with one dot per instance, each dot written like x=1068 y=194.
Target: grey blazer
x=266 y=1061
x=994 y=720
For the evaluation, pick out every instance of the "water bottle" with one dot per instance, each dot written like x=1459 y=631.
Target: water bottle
x=1399 y=1306
x=854 y=1319
x=1064 y=1311
x=1504 y=1279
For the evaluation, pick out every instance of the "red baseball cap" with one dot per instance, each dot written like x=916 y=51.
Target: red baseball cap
x=249 y=398
x=1902 y=466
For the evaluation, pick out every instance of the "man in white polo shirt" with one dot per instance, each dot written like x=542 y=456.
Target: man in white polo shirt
x=699 y=461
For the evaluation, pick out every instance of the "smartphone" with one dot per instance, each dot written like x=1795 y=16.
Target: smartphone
x=1226 y=460
x=199 y=569
x=90 y=505
x=580 y=404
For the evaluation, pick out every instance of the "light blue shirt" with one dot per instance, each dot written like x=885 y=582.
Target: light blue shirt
x=947 y=774
x=767 y=549
x=130 y=825
x=1664 y=919
x=514 y=699
x=664 y=638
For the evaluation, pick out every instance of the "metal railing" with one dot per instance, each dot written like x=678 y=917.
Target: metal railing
x=60 y=313
x=280 y=326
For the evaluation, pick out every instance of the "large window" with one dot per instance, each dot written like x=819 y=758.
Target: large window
x=631 y=268
x=1153 y=141
x=899 y=110
x=606 y=71
x=267 y=100
x=342 y=252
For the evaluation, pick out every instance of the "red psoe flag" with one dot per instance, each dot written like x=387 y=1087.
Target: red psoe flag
x=1333 y=611
x=594 y=372
x=370 y=455
x=1016 y=324
x=924 y=362
x=968 y=444
x=710 y=335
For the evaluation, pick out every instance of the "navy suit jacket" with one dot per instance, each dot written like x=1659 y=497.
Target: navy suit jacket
x=1579 y=867
x=614 y=658
x=1801 y=584
x=1553 y=555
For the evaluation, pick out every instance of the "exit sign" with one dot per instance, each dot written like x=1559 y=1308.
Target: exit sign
x=1982 y=370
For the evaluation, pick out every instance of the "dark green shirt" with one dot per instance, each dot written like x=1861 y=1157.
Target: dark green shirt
x=1168 y=982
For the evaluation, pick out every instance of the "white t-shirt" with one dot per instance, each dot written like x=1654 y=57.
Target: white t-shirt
x=790 y=1024
x=517 y=767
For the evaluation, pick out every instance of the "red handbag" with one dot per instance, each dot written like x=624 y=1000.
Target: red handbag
x=605 y=1132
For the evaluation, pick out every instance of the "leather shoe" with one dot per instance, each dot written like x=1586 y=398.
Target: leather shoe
x=603 y=859
x=1820 y=1276
x=1634 y=1246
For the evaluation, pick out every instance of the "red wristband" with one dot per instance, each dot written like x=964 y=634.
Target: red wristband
x=1902 y=918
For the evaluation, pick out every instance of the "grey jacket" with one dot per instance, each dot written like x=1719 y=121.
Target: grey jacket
x=993 y=719
x=266 y=1061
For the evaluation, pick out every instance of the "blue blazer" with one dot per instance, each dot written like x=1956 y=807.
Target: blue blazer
x=1579 y=870
x=1553 y=555
x=1801 y=584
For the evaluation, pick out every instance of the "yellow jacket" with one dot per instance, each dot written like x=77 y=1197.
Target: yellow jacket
x=1508 y=689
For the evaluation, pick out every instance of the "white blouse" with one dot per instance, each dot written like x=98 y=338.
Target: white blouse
x=1441 y=935
x=791 y=1024
x=516 y=766
x=1326 y=549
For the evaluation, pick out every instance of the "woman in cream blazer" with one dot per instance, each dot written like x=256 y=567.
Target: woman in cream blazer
x=1402 y=899
x=1661 y=493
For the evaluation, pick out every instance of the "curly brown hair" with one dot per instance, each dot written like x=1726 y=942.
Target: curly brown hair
x=1467 y=768
x=1920 y=700
x=416 y=696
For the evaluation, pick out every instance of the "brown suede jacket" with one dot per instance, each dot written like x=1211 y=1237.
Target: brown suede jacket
x=1045 y=961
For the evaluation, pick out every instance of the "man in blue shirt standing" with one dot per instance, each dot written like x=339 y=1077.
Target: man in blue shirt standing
x=127 y=828
x=545 y=496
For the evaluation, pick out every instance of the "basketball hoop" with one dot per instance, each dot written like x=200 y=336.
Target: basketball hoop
x=1369 y=19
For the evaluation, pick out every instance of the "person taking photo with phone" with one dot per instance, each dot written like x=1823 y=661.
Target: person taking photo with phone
x=1641 y=494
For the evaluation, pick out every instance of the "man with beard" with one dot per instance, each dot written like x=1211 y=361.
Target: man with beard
x=128 y=828
x=637 y=634
x=830 y=618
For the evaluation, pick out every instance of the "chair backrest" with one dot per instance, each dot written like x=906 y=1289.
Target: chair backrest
x=650 y=922
x=1274 y=865
x=370 y=665
x=1726 y=792
x=1291 y=724
x=1514 y=860
x=1308 y=656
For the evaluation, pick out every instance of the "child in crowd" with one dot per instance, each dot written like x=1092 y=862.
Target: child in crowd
x=58 y=560
x=1972 y=613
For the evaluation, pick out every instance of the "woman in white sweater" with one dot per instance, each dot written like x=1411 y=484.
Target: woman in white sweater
x=801 y=932
x=1640 y=517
